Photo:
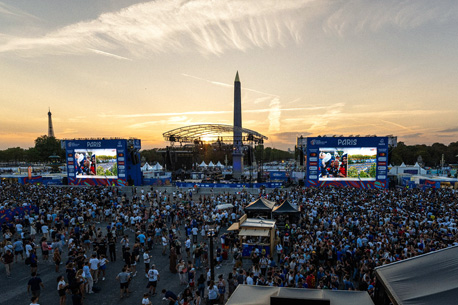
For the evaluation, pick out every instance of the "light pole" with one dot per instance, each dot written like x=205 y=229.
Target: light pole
x=211 y=233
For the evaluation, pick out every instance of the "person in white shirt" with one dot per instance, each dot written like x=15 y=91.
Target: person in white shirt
x=94 y=264
x=146 y=260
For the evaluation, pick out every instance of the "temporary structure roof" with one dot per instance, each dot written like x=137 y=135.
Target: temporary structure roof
x=224 y=206
x=254 y=232
x=157 y=167
x=234 y=227
x=261 y=295
x=285 y=208
x=219 y=164
x=260 y=204
x=211 y=164
x=257 y=223
x=203 y=164
x=425 y=279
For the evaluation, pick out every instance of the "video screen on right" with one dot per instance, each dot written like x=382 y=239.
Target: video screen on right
x=347 y=163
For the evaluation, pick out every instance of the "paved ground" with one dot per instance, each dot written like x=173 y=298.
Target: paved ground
x=14 y=290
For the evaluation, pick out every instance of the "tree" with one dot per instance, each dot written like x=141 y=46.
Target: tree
x=47 y=146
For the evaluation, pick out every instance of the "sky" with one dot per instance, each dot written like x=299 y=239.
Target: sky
x=128 y=68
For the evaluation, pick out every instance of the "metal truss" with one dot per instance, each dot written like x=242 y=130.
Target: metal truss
x=216 y=133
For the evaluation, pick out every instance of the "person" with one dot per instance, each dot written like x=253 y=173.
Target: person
x=173 y=260
x=33 y=261
x=88 y=277
x=18 y=249
x=57 y=259
x=103 y=266
x=94 y=265
x=181 y=268
x=201 y=284
x=170 y=296
x=198 y=299
x=61 y=289
x=146 y=261
x=7 y=259
x=212 y=293
x=153 y=278
x=123 y=277
x=146 y=300
x=34 y=285
x=34 y=301
x=221 y=288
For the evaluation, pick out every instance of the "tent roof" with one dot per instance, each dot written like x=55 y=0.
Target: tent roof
x=203 y=164
x=260 y=295
x=211 y=164
x=285 y=208
x=219 y=164
x=260 y=204
x=425 y=279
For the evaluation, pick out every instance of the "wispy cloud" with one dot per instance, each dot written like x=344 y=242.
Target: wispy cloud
x=227 y=85
x=11 y=11
x=109 y=54
x=449 y=130
x=361 y=15
x=208 y=27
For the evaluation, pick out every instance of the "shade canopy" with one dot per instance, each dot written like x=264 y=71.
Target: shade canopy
x=260 y=204
x=285 y=208
x=425 y=279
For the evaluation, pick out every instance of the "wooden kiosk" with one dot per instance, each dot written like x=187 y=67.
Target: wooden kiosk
x=255 y=233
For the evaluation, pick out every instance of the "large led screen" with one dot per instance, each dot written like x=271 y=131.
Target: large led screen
x=347 y=163
x=96 y=163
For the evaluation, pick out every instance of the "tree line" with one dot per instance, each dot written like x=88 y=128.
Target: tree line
x=428 y=155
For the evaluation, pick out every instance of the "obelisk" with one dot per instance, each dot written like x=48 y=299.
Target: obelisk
x=237 y=153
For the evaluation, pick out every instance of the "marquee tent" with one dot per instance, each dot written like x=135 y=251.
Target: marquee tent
x=211 y=164
x=285 y=208
x=203 y=164
x=219 y=164
x=157 y=167
x=146 y=167
x=425 y=279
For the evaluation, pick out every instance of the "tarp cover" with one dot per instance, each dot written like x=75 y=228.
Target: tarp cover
x=260 y=295
x=285 y=208
x=431 y=278
x=260 y=204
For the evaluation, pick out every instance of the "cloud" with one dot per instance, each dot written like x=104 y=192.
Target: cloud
x=228 y=85
x=274 y=115
x=412 y=135
x=449 y=130
x=163 y=26
x=361 y=15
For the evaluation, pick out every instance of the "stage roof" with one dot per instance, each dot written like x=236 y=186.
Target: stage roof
x=213 y=132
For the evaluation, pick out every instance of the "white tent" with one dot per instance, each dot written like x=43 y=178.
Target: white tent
x=211 y=164
x=157 y=167
x=146 y=167
x=416 y=164
x=219 y=164
x=203 y=164
x=403 y=165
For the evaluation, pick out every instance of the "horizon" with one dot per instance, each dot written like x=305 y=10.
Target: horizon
x=129 y=68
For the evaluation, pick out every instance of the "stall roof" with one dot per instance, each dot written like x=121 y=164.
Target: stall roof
x=257 y=223
x=425 y=279
x=260 y=295
x=234 y=227
x=260 y=204
x=285 y=208
x=254 y=232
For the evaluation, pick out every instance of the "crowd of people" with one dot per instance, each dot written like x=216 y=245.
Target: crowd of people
x=335 y=242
